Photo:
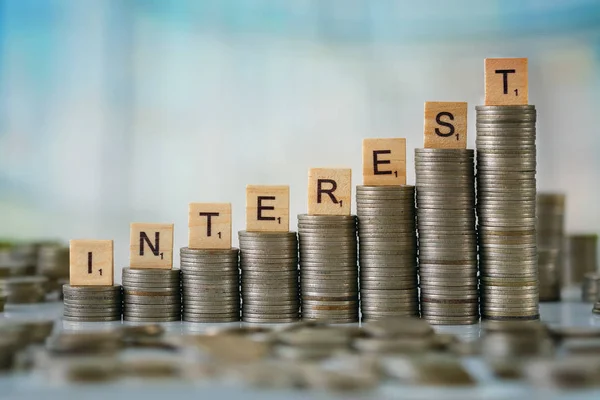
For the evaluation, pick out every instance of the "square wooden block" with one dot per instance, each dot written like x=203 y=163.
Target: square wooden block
x=445 y=125
x=506 y=81
x=151 y=246
x=329 y=191
x=267 y=208
x=384 y=162
x=209 y=226
x=91 y=263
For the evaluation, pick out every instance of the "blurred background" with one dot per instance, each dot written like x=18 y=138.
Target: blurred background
x=120 y=111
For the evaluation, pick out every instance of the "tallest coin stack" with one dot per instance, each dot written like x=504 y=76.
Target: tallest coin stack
x=506 y=204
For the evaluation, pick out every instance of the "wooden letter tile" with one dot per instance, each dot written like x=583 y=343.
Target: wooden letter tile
x=151 y=246
x=506 y=81
x=267 y=208
x=445 y=125
x=209 y=226
x=384 y=162
x=329 y=191
x=91 y=263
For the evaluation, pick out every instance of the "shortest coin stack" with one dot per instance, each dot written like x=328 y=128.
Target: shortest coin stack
x=151 y=295
x=590 y=290
x=92 y=303
x=210 y=279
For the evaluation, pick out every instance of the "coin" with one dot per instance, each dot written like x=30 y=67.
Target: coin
x=166 y=318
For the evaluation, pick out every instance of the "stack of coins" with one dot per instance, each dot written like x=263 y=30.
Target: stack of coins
x=53 y=263
x=62 y=282
x=550 y=210
x=269 y=265
x=596 y=309
x=92 y=303
x=582 y=256
x=25 y=289
x=388 y=251
x=25 y=256
x=211 y=285
x=328 y=267
x=3 y=299
x=590 y=290
x=548 y=262
x=151 y=295
x=508 y=345
x=447 y=237
x=506 y=201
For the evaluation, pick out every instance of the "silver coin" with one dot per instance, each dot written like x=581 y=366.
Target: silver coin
x=152 y=285
x=211 y=279
x=84 y=308
x=152 y=299
x=212 y=310
x=338 y=295
x=384 y=189
x=378 y=308
x=332 y=289
x=89 y=289
x=231 y=315
x=191 y=270
x=152 y=277
x=228 y=275
x=171 y=318
x=206 y=290
x=265 y=300
x=272 y=315
x=258 y=235
x=391 y=310
x=190 y=265
x=194 y=295
x=270 y=253
x=90 y=314
x=423 y=152
x=93 y=319
x=259 y=320
x=392 y=225
x=150 y=272
x=209 y=252
x=152 y=307
x=210 y=318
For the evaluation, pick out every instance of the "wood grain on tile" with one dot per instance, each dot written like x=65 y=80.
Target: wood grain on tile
x=506 y=81
x=445 y=125
x=384 y=162
x=209 y=226
x=267 y=208
x=151 y=246
x=91 y=263
x=329 y=191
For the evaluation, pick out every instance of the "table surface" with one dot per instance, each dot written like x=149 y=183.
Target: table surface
x=34 y=385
